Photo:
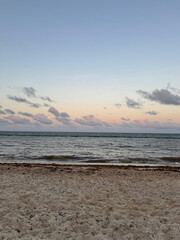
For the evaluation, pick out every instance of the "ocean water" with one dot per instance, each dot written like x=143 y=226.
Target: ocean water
x=90 y=148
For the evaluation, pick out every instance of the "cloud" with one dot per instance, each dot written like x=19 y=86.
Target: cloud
x=35 y=105
x=162 y=96
x=90 y=120
x=29 y=91
x=25 y=114
x=118 y=105
x=42 y=118
x=18 y=120
x=18 y=99
x=152 y=113
x=64 y=115
x=58 y=115
x=155 y=125
x=2 y=112
x=9 y=111
x=24 y=100
x=125 y=119
x=175 y=90
x=132 y=104
x=54 y=111
x=47 y=99
x=46 y=105
x=65 y=121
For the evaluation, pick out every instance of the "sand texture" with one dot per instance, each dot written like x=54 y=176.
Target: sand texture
x=76 y=202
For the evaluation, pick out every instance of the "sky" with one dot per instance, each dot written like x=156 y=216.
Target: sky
x=99 y=65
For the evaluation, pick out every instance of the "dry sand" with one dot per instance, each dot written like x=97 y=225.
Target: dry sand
x=76 y=202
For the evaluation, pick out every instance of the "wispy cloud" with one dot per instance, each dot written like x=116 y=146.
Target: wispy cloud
x=65 y=121
x=125 y=119
x=42 y=118
x=25 y=114
x=118 y=105
x=162 y=96
x=35 y=105
x=155 y=124
x=62 y=117
x=88 y=123
x=23 y=100
x=90 y=120
x=2 y=112
x=9 y=111
x=54 y=111
x=152 y=113
x=47 y=99
x=46 y=105
x=172 y=89
x=18 y=120
x=18 y=99
x=132 y=104
x=31 y=93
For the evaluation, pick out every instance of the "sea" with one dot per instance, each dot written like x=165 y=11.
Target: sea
x=142 y=149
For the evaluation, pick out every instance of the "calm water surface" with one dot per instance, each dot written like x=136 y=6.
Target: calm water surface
x=90 y=148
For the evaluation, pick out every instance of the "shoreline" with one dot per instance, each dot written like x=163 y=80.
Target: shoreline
x=135 y=167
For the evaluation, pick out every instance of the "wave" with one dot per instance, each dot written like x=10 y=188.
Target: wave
x=134 y=160
x=124 y=160
x=59 y=157
x=171 y=159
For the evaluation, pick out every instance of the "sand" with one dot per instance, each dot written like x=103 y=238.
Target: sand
x=76 y=202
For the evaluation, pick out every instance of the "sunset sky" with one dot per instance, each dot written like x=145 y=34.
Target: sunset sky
x=95 y=65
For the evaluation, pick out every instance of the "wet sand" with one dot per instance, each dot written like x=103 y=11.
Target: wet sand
x=89 y=202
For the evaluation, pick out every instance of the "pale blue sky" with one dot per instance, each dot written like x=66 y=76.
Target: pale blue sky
x=97 y=52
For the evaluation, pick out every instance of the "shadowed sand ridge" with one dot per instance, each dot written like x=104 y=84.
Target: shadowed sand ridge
x=89 y=202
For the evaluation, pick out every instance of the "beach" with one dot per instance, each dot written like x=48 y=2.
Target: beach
x=89 y=202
